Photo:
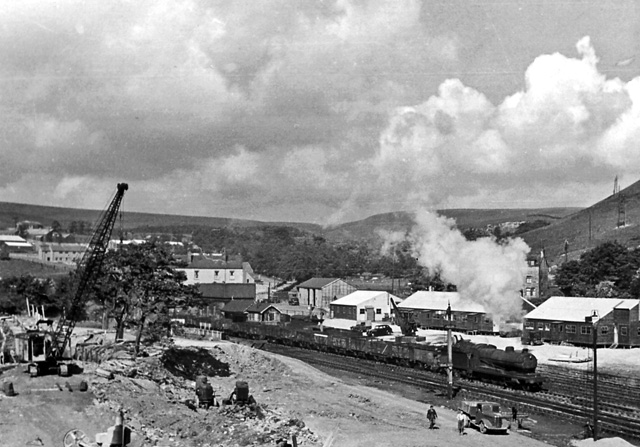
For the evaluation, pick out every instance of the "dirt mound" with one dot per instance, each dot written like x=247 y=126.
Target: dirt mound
x=189 y=363
x=157 y=396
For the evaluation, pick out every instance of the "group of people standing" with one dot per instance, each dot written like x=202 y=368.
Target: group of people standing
x=462 y=418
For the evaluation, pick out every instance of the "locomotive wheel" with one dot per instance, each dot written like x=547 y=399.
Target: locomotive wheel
x=483 y=428
x=75 y=438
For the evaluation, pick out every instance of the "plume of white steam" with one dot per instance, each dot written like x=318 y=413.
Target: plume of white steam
x=484 y=271
x=390 y=239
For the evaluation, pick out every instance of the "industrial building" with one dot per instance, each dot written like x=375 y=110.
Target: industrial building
x=429 y=311
x=563 y=319
x=320 y=292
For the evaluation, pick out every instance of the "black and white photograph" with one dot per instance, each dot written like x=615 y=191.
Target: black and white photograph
x=319 y=223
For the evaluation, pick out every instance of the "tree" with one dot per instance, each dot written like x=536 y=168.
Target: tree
x=19 y=288
x=140 y=287
x=610 y=269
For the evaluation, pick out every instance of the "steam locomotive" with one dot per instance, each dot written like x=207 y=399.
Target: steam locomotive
x=508 y=367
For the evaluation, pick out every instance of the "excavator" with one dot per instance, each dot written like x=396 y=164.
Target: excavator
x=45 y=349
x=404 y=320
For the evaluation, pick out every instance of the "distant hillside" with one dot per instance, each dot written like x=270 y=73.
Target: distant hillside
x=567 y=223
x=589 y=227
x=13 y=212
x=465 y=218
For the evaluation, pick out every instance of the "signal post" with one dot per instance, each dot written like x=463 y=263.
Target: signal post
x=449 y=355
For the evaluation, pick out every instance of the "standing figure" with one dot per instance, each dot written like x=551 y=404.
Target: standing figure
x=462 y=421
x=432 y=416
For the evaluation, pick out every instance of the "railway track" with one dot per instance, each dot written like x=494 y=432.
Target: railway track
x=566 y=400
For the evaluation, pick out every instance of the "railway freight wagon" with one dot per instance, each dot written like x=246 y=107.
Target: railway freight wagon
x=477 y=361
x=406 y=354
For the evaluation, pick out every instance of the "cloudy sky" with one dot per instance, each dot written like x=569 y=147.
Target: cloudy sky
x=318 y=111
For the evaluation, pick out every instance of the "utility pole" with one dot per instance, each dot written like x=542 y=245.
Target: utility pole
x=449 y=355
x=594 y=320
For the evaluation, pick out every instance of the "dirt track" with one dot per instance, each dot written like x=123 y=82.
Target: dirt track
x=293 y=397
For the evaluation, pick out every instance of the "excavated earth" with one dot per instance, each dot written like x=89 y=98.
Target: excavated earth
x=156 y=394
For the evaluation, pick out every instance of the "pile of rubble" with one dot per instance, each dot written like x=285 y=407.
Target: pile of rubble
x=157 y=395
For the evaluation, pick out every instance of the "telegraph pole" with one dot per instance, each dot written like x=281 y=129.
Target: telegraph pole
x=594 y=320
x=449 y=354
x=595 y=382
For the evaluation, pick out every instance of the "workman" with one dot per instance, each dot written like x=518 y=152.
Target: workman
x=432 y=416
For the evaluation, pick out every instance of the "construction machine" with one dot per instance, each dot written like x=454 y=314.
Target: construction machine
x=45 y=349
x=240 y=395
x=404 y=320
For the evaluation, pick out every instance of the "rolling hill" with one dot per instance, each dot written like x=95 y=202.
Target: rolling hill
x=365 y=229
x=590 y=227
x=10 y=213
x=465 y=218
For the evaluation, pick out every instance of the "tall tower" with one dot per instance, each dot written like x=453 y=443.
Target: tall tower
x=622 y=212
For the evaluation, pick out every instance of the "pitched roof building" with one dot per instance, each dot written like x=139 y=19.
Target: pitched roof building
x=219 y=293
x=364 y=305
x=319 y=292
x=429 y=310
x=204 y=270
x=564 y=319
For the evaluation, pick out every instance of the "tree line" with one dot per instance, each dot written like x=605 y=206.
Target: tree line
x=608 y=270
x=138 y=287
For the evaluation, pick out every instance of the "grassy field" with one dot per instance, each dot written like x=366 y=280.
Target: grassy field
x=19 y=267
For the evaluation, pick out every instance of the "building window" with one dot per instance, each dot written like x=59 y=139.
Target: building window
x=361 y=311
x=216 y=272
x=585 y=330
x=529 y=279
x=231 y=273
x=547 y=327
x=196 y=273
x=604 y=330
x=624 y=330
x=378 y=311
x=540 y=325
x=559 y=328
x=571 y=328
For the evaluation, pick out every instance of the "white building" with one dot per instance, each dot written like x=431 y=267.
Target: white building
x=364 y=305
x=203 y=270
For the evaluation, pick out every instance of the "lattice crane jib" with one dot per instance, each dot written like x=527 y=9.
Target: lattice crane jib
x=88 y=271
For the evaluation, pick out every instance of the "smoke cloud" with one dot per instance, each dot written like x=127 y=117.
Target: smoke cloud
x=484 y=271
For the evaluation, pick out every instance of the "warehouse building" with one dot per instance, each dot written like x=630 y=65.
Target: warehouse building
x=429 y=311
x=364 y=306
x=319 y=292
x=568 y=320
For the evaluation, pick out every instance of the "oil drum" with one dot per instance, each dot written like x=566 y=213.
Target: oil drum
x=8 y=389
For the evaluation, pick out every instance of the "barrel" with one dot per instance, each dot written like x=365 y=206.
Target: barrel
x=242 y=391
x=8 y=389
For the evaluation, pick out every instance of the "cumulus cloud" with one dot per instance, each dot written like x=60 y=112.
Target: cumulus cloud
x=569 y=122
x=326 y=111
